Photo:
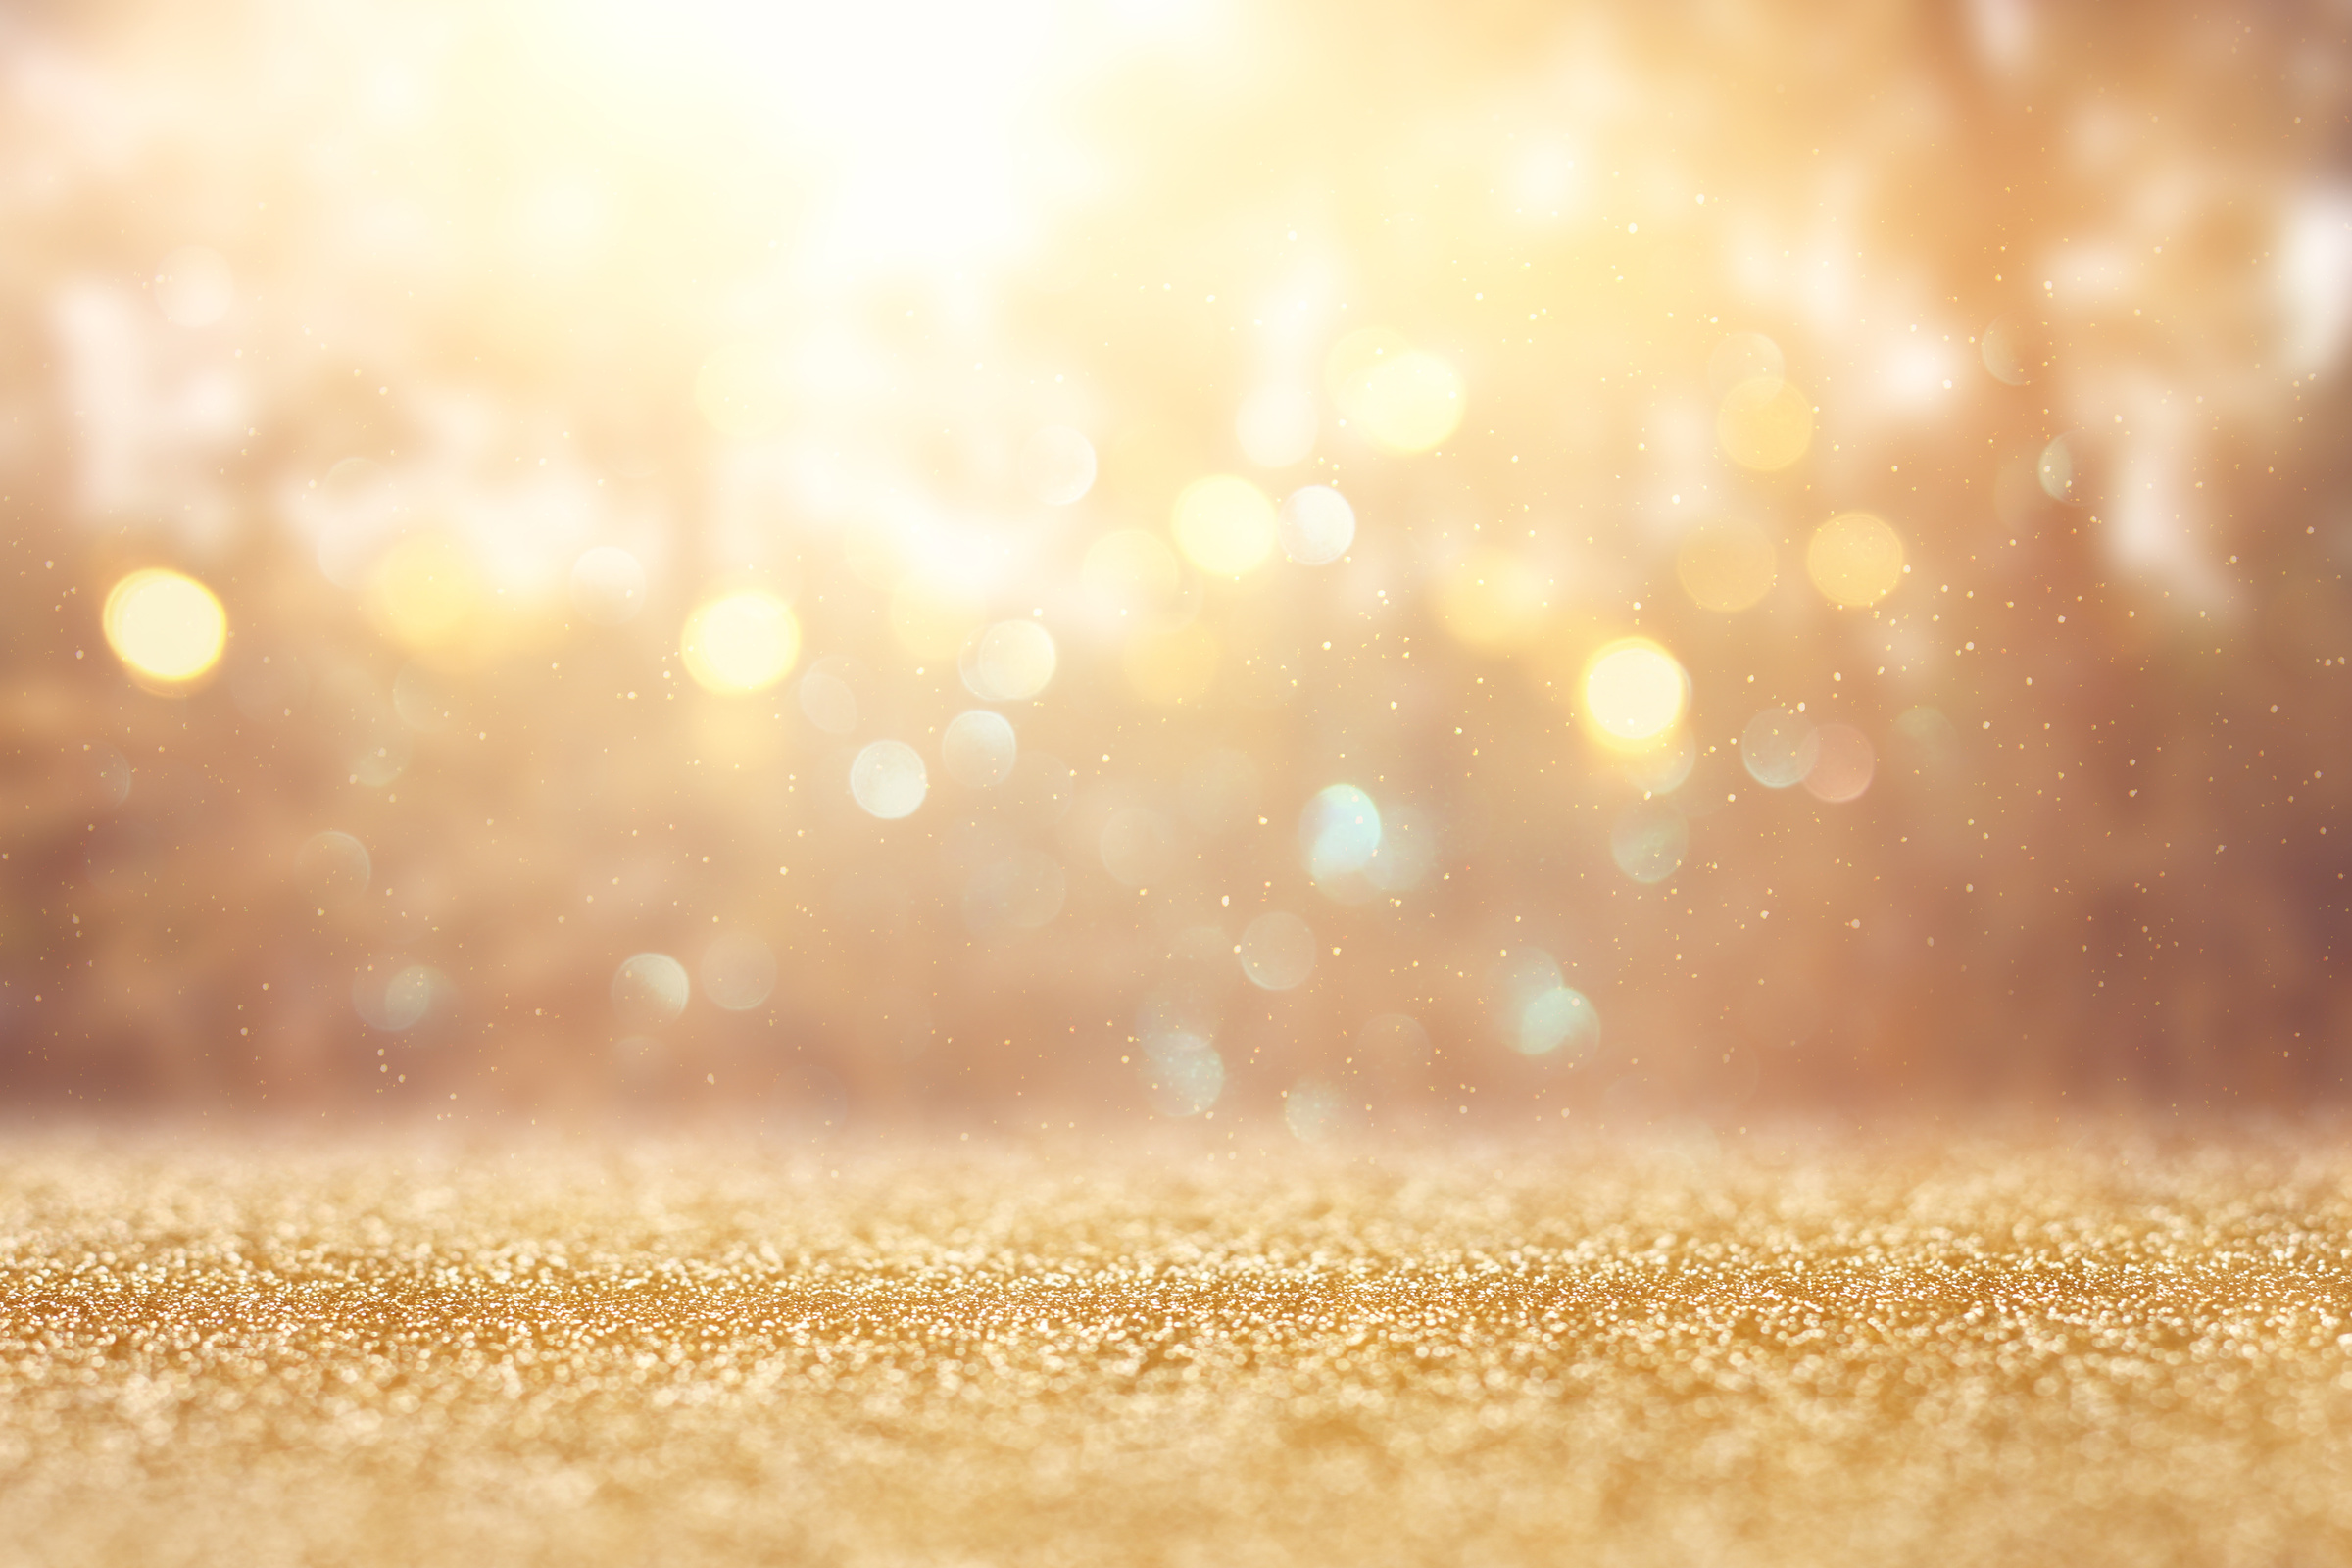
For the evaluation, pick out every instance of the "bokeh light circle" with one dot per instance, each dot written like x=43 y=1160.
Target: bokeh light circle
x=827 y=696
x=1278 y=951
x=408 y=996
x=1650 y=841
x=1183 y=1014
x=1184 y=1073
x=1010 y=661
x=1662 y=766
x=979 y=749
x=394 y=997
x=332 y=867
x=649 y=990
x=167 y=628
x=1225 y=525
x=1413 y=401
x=1764 y=424
x=742 y=642
x=1778 y=748
x=887 y=780
x=1313 y=1111
x=739 y=971
x=1339 y=832
x=2060 y=468
x=1856 y=559
x=1726 y=567
x=1316 y=526
x=1844 y=763
x=1559 y=1018
x=1403 y=398
x=1634 y=692
x=429 y=592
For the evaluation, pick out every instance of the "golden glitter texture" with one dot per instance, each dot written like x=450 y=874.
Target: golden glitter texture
x=1778 y=1352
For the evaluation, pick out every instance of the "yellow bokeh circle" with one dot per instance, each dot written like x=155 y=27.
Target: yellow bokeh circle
x=1856 y=559
x=167 y=628
x=740 y=642
x=1412 y=403
x=1764 y=423
x=428 y=593
x=1406 y=400
x=1224 y=525
x=1635 y=693
x=1725 y=565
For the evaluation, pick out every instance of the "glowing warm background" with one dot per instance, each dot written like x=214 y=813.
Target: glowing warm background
x=1023 y=563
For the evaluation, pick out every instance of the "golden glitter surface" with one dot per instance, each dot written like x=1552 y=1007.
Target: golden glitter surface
x=1778 y=1351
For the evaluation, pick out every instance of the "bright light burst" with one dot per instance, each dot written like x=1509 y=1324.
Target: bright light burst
x=1635 y=693
x=919 y=113
x=167 y=629
x=1856 y=559
x=1127 y=420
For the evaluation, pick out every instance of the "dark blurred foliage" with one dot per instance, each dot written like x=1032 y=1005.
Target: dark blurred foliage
x=487 y=252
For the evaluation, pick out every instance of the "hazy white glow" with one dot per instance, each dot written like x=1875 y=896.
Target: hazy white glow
x=649 y=990
x=888 y=781
x=1316 y=526
x=1010 y=663
x=744 y=642
x=979 y=749
x=918 y=117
